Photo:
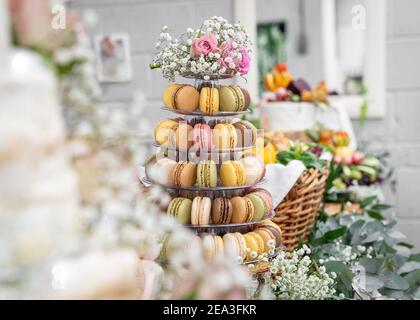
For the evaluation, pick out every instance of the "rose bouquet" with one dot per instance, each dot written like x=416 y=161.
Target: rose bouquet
x=217 y=49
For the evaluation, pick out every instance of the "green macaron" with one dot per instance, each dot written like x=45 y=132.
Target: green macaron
x=231 y=98
x=260 y=206
x=207 y=174
x=180 y=209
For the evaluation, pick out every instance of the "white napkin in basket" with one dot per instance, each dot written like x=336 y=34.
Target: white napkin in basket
x=280 y=179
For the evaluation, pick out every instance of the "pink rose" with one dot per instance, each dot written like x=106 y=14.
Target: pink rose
x=243 y=66
x=203 y=45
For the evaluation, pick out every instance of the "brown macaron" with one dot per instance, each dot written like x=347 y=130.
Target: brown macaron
x=242 y=210
x=246 y=133
x=221 y=212
x=247 y=98
x=184 y=174
x=274 y=229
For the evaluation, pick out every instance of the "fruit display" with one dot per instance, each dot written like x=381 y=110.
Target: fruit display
x=284 y=87
x=355 y=167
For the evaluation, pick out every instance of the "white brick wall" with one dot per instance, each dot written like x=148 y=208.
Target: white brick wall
x=399 y=131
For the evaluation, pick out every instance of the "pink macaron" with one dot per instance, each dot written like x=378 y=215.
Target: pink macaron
x=202 y=136
x=254 y=168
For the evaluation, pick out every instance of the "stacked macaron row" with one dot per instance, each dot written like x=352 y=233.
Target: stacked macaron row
x=246 y=171
x=253 y=207
x=265 y=238
x=245 y=247
x=183 y=136
x=209 y=100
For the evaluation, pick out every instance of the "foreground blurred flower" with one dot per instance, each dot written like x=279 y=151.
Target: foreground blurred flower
x=32 y=25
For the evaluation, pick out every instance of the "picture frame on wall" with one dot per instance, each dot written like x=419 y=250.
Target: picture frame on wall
x=113 y=58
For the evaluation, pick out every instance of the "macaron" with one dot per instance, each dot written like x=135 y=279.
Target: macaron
x=266 y=235
x=274 y=229
x=242 y=210
x=234 y=245
x=246 y=132
x=180 y=209
x=253 y=245
x=184 y=174
x=182 y=97
x=209 y=100
x=207 y=174
x=259 y=240
x=254 y=169
x=221 y=211
x=232 y=173
x=260 y=206
x=267 y=197
x=169 y=93
x=183 y=136
x=167 y=247
x=164 y=129
x=200 y=211
x=231 y=99
x=213 y=246
x=224 y=136
x=247 y=97
x=202 y=137
x=161 y=172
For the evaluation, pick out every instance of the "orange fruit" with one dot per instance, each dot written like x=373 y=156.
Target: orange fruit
x=269 y=82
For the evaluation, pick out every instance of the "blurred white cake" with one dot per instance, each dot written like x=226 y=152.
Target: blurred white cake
x=288 y=116
x=38 y=189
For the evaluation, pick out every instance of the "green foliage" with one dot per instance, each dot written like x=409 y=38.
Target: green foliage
x=300 y=153
x=367 y=254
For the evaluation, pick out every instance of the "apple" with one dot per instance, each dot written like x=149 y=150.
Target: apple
x=347 y=161
x=358 y=157
x=281 y=94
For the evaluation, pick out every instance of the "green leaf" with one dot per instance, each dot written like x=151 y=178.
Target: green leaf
x=375 y=215
x=313 y=135
x=342 y=271
x=407 y=245
x=381 y=207
x=414 y=257
x=413 y=278
x=368 y=201
x=334 y=234
x=371 y=282
x=372 y=237
x=397 y=282
x=371 y=265
x=409 y=267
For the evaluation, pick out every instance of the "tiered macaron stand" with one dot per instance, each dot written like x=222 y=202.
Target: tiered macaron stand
x=226 y=154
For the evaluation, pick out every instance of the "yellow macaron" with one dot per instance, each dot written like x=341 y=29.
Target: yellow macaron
x=209 y=100
x=164 y=129
x=232 y=173
x=225 y=136
x=169 y=93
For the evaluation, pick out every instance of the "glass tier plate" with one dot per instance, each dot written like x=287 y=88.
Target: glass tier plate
x=198 y=113
x=210 y=76
x=221 y=229
x=197 y=188
x=247 y=262
x=212 y=150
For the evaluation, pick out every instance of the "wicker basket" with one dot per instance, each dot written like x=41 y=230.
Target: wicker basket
x=297 y=213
